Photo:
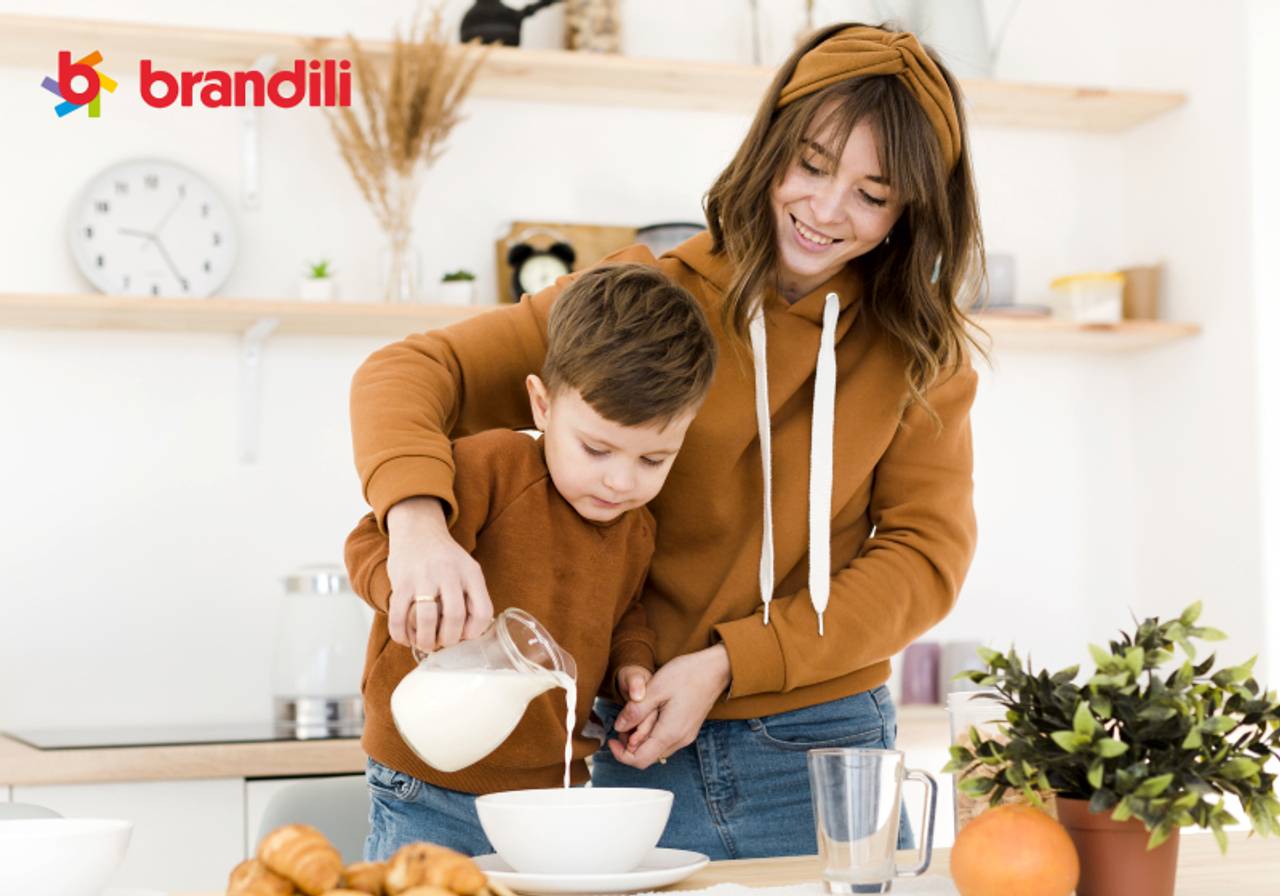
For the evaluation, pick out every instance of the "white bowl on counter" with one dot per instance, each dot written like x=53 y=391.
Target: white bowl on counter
x=579 y=830
x=60 y=856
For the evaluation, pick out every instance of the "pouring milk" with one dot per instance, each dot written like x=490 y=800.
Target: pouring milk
x=460 y=703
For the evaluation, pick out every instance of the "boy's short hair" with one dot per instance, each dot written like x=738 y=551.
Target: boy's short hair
x=635 y=345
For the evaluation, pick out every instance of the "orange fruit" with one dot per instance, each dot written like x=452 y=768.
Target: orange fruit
x=1014 y=850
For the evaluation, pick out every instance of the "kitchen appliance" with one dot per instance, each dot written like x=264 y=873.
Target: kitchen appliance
x=319 y=655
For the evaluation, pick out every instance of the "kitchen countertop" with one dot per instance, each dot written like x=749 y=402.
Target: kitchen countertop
x=1251 y=865
x=22 y=765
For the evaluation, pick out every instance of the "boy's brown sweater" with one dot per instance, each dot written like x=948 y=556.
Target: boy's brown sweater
x=896 y=475
x=580 y=579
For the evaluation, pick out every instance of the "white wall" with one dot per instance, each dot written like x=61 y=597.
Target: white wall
x=1264 y=99
x=141 y=558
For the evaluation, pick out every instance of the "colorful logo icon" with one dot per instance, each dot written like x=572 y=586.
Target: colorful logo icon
x=73 y=99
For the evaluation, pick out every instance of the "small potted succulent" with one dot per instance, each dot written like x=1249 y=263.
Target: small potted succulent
x=1144 y=746
x=317 y=284
x=458 y=288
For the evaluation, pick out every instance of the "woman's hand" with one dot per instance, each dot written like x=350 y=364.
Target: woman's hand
x=424 y=560
x=673 y=708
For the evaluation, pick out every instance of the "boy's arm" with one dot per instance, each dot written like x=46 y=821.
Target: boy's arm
x=633 y=642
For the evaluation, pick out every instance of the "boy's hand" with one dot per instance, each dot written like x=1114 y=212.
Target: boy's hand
x=424 y=560
x=633 y=684
x=632 y=681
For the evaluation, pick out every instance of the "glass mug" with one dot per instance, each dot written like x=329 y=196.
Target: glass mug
x=462 y=701
x=857 y=798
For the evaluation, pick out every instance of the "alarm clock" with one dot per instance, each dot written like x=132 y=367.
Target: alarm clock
x=152 y=227
x=532 y=270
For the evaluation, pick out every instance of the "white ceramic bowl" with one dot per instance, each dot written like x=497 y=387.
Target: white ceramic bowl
x=60 y=856
x=580 y=830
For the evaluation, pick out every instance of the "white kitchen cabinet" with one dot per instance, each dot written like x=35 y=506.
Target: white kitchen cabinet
x=258 y=793
x=187 y=835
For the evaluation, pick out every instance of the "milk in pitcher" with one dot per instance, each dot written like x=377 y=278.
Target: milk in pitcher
x=453 y=718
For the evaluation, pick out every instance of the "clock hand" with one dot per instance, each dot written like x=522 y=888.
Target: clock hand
x=171 y=210
x=182 y=281
x=129 y=231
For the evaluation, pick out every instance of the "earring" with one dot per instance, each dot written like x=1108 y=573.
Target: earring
x=886 y=237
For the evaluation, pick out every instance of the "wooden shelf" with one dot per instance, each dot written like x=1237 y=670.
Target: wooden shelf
x=557 y=76
x=1045 y=333
x=99 y=312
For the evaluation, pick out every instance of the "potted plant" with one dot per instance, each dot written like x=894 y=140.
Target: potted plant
x=1142 y=748
x=317 y=283
x=458 y=287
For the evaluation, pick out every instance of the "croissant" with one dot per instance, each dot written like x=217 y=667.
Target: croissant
x=365 y=877
x=345 y=893
x=302 y=854
x=252 y=878
x=418 y=864
x=427 y=891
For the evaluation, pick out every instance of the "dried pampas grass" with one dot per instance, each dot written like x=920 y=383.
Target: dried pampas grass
x=408 y=105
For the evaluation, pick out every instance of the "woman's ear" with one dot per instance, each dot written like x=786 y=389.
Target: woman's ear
x=539 y=401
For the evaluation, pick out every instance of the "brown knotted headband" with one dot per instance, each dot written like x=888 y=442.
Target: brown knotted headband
x=860 y=51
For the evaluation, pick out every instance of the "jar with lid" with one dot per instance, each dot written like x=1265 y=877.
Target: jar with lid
x=319 y=655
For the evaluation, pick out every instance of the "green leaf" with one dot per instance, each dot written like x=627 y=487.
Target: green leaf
x=1068 y=740
x=1123 y=811
x=1157 y=713
x=1219 y=725
x=1159 y=835
x=986 y=654
x=1134 y=658
x=1100 y=656
x=975 y=786
x=1191 y=613
x=1239 y=768
x=1094 y=776
x=1084 y=722
x=1101 y=704
x=1221 y=836
x=1193 y=740
x=1109 y=748
x=1211 y=634
x=1154 y=786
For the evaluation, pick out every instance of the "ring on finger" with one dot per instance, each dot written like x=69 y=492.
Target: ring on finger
x=662 y=761
x=425 y=598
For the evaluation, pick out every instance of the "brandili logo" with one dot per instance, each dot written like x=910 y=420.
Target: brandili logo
x=64 y=88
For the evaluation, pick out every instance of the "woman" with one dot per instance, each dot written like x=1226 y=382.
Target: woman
x=819 y=517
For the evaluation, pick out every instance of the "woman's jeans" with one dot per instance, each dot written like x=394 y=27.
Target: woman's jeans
x=741 y=789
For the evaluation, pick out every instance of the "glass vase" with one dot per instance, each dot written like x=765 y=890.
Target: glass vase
x=400 y=266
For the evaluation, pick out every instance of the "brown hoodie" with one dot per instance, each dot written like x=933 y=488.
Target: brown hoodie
x=902 y=528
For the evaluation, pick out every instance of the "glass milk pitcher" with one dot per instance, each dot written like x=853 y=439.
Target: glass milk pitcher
x=463 y=701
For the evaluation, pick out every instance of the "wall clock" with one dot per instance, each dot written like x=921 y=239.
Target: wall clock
x=152 y=227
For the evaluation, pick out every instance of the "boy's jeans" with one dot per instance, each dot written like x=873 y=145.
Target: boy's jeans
x=741 y=789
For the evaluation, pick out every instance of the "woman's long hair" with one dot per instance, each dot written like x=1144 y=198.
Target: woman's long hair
x=919 y=283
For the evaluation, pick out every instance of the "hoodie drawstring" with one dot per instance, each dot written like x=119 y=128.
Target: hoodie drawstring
x=821 y=448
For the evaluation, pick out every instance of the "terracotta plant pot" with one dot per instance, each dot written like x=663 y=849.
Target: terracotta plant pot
x=1114 y=859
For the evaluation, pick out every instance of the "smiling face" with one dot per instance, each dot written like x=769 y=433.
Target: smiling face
x=829 y=210
x=602 y=468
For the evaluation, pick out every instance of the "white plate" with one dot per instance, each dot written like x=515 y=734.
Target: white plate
x=660 y=868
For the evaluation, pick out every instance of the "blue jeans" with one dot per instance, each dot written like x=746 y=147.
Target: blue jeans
x=404 y=809
x=742 y=788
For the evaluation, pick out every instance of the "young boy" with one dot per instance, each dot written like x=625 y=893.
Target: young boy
x=559 y=528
